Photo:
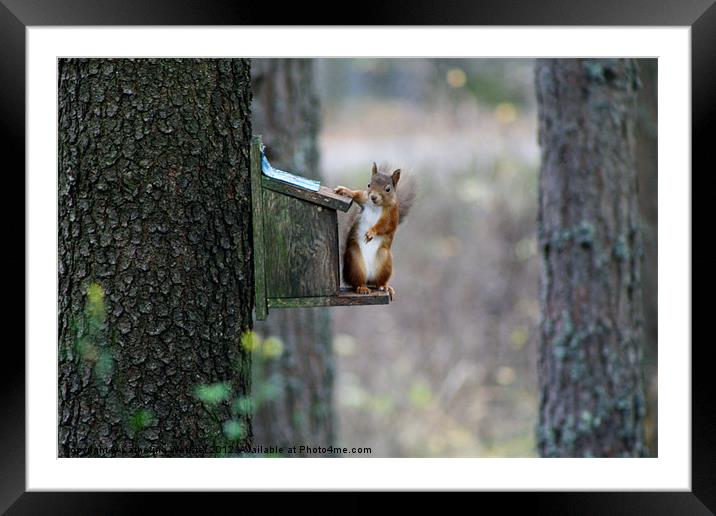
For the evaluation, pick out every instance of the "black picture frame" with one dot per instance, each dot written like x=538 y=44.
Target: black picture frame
x=16 y=15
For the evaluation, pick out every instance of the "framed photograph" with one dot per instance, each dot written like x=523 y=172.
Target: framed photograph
x=431 y=251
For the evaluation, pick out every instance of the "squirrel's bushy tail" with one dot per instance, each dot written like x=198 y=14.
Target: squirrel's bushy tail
x=407 y=190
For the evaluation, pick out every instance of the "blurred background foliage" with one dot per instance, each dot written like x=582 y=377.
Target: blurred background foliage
x=448 y=369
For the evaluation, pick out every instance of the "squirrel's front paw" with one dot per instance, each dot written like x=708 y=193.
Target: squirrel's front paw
x=369 y=235
x=342 y=190
x=362 y=290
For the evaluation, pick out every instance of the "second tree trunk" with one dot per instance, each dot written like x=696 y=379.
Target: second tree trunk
x=300 y=411
x=592 y=400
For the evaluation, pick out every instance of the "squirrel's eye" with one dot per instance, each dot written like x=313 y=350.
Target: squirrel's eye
x=387 y=189
x=368 y=185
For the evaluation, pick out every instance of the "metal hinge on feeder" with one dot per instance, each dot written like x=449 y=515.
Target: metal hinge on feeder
x=296 y=248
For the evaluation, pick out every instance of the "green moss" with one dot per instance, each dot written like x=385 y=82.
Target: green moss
x=623 y=403
x=601 y=260
x=586 y=421
x=104 y=366
x=320 y=409
x=141 y=420
x=212 y=394
x=569 y=434
x=621 y=250
x=242 y=405
x=234 y=430
x=584 y=234
x=562 y=239
x=299 y=418
x=560 y=344
x=594 y=70
x=579 y=366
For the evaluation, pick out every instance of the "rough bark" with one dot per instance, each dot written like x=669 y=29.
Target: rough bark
x=647 y=171
x=590 y=372
x=286 y=112
x=155 y=275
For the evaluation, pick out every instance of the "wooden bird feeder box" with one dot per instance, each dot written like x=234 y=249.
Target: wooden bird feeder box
x=296 y=247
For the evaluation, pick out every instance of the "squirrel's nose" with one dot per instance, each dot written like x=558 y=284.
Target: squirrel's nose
x=373 y=197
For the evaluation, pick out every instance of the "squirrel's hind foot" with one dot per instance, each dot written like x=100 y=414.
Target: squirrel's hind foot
x=391 y=291
x=363 y=290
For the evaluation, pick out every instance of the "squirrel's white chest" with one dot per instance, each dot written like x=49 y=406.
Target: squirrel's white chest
x=368 y=218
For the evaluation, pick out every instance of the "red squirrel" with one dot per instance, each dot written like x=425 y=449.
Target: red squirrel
x=368 y=259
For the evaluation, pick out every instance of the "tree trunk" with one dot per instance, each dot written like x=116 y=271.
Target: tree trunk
x=155 y=273
x=647 y=171
x=590 y=372
x=286 y=112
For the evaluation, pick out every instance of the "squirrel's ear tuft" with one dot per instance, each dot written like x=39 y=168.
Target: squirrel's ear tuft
x=396 y=177
x=375 y=169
